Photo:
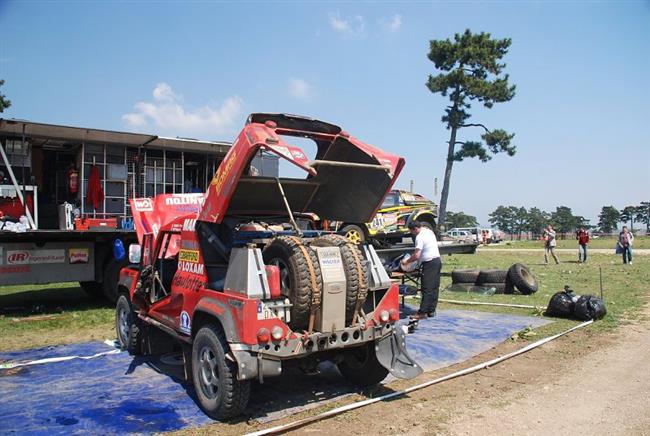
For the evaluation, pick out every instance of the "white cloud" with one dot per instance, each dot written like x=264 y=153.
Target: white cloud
x=348 y=26
x=299 y=88
x=393 y=24
x=167 y=114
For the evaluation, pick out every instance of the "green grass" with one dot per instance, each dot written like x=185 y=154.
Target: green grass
x=82 y=318
x=606 y=242
x=78 y=316
x=625 y=286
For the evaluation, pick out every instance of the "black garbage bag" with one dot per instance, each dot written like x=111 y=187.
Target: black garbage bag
x=589 y=307
x=561 y=305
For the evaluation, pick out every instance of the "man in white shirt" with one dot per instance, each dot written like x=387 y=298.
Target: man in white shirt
x=427 y=253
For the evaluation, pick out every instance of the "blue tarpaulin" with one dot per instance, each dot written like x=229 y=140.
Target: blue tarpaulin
x=116 y=393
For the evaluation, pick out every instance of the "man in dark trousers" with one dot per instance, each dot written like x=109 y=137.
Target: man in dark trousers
x=583 y=239
x=427 y=253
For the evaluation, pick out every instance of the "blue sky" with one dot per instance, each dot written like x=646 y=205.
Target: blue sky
x=582 y=69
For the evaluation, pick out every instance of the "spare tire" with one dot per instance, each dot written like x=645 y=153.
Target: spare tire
x=355 y=268
x=523 y=279
x=509 y=287
x=299 y=274
x=464 y=275
x=491 y=276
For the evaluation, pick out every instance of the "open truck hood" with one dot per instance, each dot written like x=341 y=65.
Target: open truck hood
x=346 y=181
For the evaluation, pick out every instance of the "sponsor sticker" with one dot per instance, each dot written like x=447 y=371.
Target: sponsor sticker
x=189 y=256
x=78 y=255
x=185 y=323
x=34 y=257
x=143 y=204
x=190 y=283
x=14 y=269
x=194 y=268
x=263 y=312
x=189 y=224
x=193 y=199
x=235 y=303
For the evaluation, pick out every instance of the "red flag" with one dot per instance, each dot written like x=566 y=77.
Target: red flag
x=95 y=194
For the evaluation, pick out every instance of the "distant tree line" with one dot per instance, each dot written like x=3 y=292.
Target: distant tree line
x=460 y=219
x=609 y=217
x=519 y=220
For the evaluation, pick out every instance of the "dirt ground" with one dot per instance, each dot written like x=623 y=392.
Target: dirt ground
x=579 y=384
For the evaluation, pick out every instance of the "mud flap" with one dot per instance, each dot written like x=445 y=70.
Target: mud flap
x=391 y=353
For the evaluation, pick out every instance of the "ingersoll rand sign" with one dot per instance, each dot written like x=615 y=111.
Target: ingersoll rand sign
x=29 y=262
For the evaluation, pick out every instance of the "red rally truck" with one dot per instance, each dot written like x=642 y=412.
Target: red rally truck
x=246 y=283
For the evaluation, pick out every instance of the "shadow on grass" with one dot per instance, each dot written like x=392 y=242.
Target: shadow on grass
x=47 y=301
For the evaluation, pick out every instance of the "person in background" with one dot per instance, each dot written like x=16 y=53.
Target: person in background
x=549 y=245
x=625 y=240
x=583 y=239
x=427 y=253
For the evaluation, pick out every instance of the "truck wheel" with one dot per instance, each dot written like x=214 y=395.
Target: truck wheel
x=111 y=277
x=128 y=327
x=491 y=276
x=220 y=394
x=296 y=281
x=353 y=265
x=464 y=275
x=523 y=279
x=354 y=233
x=93 y=289
x=361 y=367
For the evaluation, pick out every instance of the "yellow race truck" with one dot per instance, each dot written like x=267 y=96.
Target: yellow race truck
x=391 y=222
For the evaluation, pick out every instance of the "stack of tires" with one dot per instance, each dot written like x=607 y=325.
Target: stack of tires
x=517 y=277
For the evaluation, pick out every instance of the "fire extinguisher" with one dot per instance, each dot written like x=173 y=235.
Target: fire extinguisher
x=73 y=181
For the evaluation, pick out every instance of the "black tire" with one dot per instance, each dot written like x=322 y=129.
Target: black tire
x=523 y=279
x=361 y=367
x=295 y=276
x=464 y=275
x=93 y=289
x=491 y=276
x=353 y=263
x=220 y=394
x=354 y=233
x=111 y=277
x=128 y=327
x=509 y=287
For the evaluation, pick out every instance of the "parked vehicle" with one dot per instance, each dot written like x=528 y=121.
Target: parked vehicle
x=247 y=289
x=459 y=235
x=390 y=224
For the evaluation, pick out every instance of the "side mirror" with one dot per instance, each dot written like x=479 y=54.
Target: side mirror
x=135 y=251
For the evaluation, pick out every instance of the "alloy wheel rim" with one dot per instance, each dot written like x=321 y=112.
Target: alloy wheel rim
x=209 y=376
x=123 y=325
x=354 y=236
